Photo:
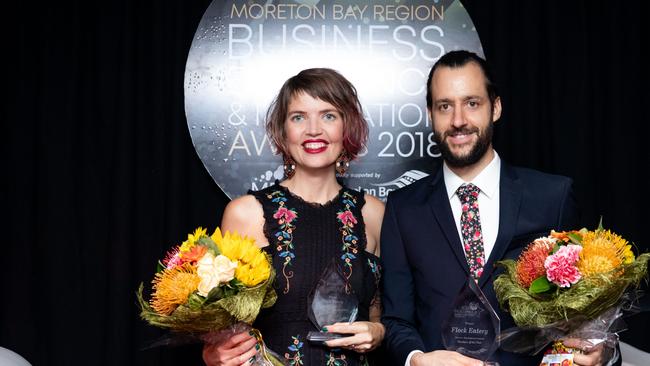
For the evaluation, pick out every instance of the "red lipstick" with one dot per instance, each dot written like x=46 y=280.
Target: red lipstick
x=314 y=146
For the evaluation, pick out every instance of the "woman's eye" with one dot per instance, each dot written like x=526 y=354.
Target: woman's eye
x=297 y=118
x=329 y=117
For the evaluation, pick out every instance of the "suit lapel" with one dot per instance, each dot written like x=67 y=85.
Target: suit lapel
x=510 y=191
x=439 y=205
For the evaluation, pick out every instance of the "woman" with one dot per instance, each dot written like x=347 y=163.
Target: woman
x=308 y=219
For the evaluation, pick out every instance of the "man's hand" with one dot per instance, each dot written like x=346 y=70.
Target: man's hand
x=585 y=354
x=443 y=358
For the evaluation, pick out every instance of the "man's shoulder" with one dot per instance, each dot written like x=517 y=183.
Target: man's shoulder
x=532 y=175
x=415 y=191
x=541 y=185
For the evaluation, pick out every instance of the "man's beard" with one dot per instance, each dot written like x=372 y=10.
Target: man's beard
x=475 y=154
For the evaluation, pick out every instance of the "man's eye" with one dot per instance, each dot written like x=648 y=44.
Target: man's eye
x=473 y=103
x=443 y=107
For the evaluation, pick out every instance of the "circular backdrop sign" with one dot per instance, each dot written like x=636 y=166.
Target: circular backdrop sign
x=243 y=52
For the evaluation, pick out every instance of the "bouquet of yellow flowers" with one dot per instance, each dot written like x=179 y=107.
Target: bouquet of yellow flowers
x=210 y=284
x=568 y=284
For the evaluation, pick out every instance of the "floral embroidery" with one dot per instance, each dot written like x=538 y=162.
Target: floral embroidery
x=349 y=247
x=375 y=268
x=347 y=218
x=335 y=360
x=286 y=218
x=285 y=214
x=296 y=358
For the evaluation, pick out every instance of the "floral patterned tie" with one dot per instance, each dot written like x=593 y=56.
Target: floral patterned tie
x=470 y=227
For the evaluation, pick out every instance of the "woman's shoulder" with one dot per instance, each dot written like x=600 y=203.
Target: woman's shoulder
x=243 y=202
x=373 y=201
x=373 y=209
x=373 y=215
x=244 y=215
x=243 y=209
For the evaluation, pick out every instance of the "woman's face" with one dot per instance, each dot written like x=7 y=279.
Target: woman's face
x=314 y=132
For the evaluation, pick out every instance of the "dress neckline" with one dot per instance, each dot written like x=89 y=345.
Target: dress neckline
x=330 y=202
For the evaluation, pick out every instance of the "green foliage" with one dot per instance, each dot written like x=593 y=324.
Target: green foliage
x=160 y=267
x=207 y=242
x=194 y=301
x=540 y=285
x=575 y=238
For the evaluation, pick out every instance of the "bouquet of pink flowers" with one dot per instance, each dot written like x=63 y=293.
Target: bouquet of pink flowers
x=568 y=284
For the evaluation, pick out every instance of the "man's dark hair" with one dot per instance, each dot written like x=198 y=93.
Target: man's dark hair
x=461 y=58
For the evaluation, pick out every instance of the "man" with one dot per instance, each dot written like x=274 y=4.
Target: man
x=431 y=242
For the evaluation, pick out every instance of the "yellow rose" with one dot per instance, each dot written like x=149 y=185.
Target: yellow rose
x=214 y=271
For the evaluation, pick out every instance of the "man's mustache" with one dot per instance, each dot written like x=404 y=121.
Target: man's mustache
x=461 y=131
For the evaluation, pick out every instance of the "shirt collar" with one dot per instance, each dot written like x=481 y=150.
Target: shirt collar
x=487 y=180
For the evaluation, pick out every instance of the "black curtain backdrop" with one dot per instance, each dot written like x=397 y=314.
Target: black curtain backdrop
x=101 y=176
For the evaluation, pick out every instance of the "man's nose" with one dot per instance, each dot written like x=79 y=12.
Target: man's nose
x=458 y=117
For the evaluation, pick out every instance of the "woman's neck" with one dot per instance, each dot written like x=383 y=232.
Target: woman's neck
x=311 y=187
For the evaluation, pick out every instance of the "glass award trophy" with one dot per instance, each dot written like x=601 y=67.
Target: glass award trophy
x=331 y=301
x=473 y=325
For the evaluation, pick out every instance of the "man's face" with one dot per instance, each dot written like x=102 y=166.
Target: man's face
x=462 y=114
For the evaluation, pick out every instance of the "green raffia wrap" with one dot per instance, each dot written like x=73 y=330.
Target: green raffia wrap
x=589 y=297
x=197 y=315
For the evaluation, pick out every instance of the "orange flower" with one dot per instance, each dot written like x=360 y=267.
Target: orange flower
x=560 y=235
x=530 y=264
x=172 y=287
x=193 y=255
x=564 y=235
x=603 y=252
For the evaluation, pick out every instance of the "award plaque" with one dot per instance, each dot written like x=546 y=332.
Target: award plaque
x=331 y=301
x=473 y=325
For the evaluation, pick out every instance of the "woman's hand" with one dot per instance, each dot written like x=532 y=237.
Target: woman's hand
x=237 y=350
x=364 y=336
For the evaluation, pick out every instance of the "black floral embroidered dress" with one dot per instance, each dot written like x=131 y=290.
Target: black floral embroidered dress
x=303 y=239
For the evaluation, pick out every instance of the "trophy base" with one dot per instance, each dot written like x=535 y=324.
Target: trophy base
x=323 y=336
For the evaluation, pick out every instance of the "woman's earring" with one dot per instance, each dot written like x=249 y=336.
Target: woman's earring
x=289 y=167
x=342 y=164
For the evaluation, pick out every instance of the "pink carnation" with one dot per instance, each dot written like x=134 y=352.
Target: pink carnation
x=561 y=268
x=284 y=213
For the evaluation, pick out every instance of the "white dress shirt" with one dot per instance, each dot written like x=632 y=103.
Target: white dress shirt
x=488 y=205
x=488 y=200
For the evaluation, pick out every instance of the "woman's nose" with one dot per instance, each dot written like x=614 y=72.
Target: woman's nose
x=313 y=127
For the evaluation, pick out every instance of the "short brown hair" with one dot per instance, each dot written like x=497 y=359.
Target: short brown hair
x=327 y=85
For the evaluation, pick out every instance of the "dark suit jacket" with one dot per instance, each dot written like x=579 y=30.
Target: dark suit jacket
x=424 y=264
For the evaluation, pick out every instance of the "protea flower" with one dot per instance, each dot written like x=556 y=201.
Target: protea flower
x=172 y=287
x=603 y=252
x=530 y=264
